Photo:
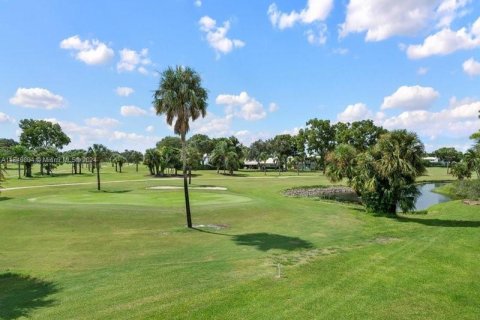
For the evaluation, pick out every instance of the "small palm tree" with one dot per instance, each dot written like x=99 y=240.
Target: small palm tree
x=99 y=153
x=19 y=151
x=181 y=97
x=263 y=158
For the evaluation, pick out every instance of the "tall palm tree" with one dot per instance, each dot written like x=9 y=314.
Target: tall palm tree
x=181 y=97
x=99 y=153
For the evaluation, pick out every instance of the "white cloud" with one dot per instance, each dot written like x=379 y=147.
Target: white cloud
x=102 y=122
x=458 y=120
x=124 y=91
x=37 y=98
x=272 y=107
x=4 y=118
x=355 y=112
x=471 y=67
x=446 y=41
x=213 y=125
x=448 y=10
x=315 y=11
x=242 y=106
x=382 y=19
x=84 y=136
x=150 y=129
x=128 y=111
x=89 y=51
x=317 y=37
x=131 y=60
x=411 y=98
x=197 y=3
x=217 y=36
x=293 y=132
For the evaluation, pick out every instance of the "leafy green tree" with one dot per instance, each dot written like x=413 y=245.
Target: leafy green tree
x=172 y=152
x=181 y=98
x=283 y=146
x=42 y=135
x=7 y=143
x=99 y=153
x=5 y=150
x=203 y=144
x=257 y=148
x=461 y=170
x=448 y=155
x=194 y=159
x=171 y=142
x=320 y=139
x=170 y=158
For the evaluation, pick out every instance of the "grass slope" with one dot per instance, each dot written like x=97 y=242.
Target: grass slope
x=73 y=253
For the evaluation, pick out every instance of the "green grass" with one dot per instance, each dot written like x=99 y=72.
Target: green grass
x=71 y=252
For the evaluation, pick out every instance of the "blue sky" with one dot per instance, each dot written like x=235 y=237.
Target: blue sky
x=269 y=66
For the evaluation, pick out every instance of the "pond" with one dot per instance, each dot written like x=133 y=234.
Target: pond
x=427 y=197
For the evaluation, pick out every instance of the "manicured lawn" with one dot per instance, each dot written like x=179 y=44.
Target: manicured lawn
x=71 y=252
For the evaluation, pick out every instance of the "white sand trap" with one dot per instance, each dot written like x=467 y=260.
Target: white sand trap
x=181 y=188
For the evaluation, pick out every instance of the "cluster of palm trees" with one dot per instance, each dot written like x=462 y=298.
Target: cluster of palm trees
x=159 y=160
x=384 y=174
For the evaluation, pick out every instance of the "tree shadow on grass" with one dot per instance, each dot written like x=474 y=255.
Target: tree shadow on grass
x=267 y=241
x=5 y=198
x=111 y=191
x=441 y=223
x=20 y=295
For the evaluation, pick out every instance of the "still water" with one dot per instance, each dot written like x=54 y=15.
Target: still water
x=427 y=197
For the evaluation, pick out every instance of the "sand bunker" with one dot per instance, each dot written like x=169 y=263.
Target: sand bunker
x=181 y=188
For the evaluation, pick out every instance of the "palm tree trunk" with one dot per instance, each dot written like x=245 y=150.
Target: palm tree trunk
x=189 y=175
x=98 y=175
x=185 y=183
x=19 y=174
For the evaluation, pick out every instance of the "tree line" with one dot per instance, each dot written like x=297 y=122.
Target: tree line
x=380 y=166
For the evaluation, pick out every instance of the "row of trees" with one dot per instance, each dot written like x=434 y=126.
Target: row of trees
x=381 y=166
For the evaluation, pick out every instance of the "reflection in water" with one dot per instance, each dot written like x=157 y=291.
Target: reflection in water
x=427 y=197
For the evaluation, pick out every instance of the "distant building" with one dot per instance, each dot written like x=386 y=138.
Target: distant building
x=433 y=160
x=253 y=164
